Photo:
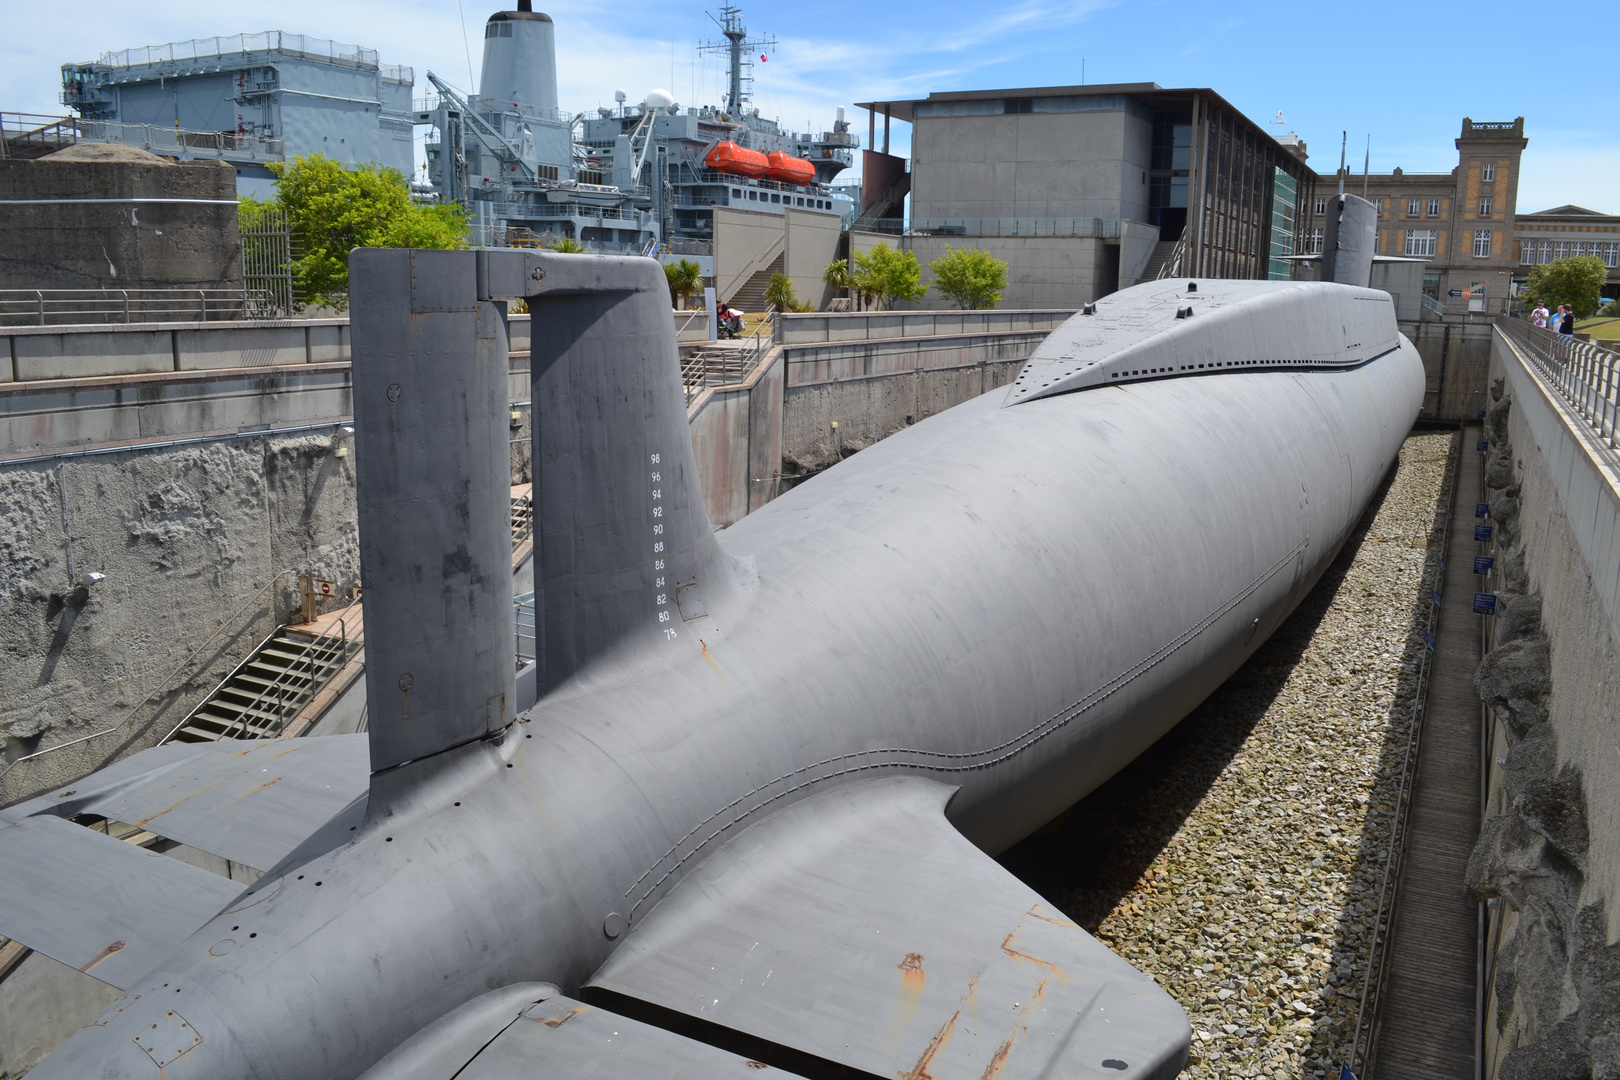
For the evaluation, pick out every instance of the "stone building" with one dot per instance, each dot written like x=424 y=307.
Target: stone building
x=1565 y=231
x=1462 y=221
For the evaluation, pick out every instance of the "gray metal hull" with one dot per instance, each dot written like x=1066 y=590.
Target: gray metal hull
x=1015 y=601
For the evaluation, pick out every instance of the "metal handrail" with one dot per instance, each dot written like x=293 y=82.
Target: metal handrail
x=162 y=687
x=1372 y=988
x=1171 y=267
x=75 y=307
x=316 y=659
x=1585 y=375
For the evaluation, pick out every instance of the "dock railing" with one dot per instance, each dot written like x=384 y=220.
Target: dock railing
x=1583 y=374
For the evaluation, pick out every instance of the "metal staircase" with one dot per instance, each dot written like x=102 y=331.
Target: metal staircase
x=882 y=204
x=272 y=686
x=750 y=295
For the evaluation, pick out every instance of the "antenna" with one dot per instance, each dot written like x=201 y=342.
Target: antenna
x=1366 y=166
x=740 y=52
x=1344 y=141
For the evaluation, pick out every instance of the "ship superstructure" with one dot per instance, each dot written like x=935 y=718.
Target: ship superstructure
x=248 y=99
x=624 y=175
x=508 y=153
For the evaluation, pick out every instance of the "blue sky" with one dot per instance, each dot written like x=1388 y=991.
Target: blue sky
x=1406 y=74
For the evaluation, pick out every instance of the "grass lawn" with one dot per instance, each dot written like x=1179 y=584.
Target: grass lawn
x=1600 y=329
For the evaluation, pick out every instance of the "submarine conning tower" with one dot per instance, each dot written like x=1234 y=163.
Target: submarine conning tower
x=520 y=59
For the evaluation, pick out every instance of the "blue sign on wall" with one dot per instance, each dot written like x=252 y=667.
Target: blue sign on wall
x=1482 y=533
x=1483 y=564
x=1482 y=414
x=1482 y=446
x=1428 y=640
x=1482 y=509
x=1484 y=603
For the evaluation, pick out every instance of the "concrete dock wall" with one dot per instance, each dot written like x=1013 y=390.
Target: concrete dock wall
x=1548 y=861
x=844 y=386
x=193 y=541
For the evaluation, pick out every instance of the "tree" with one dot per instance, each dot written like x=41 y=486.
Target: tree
x=684 y=277
x=335 y=210
x=888 y=274
x=836 y=275
x=1576 y=281
x=969 y=279
x=569 y=246
x=779 y=293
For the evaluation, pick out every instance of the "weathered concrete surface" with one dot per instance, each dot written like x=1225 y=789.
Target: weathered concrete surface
x=796 y=329
x=1549 y=853
x=1456 y=356
x=193 y=541
x=66 y=414
x=119 y=245
x=842 y=398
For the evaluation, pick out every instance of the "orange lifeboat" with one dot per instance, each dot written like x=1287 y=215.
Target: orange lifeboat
x=728 y=157
x=786 y=169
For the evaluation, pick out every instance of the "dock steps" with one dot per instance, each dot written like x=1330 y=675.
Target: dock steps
x=276 y=681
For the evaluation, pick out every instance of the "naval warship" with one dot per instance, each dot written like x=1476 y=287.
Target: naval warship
x=623 y=177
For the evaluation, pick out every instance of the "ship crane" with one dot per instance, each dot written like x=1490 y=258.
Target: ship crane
x=504 y=149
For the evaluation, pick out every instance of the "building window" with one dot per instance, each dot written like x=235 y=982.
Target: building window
x=1580 y=249
x=1485 y=206
x=1527 y=252
x=1420 y=241
x=1560 y=250
x=1018 y=105
x=1313 y=241
x=1321 y=204
x=1611 y=254
x=1487 y=171
x=1412 y=207
x=1434 y=207
x=1482 y=243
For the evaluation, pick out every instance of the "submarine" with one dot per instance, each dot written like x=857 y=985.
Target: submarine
x=739 y=814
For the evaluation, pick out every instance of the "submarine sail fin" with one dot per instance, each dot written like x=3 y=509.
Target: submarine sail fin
x=859 y=927
x=624 y=552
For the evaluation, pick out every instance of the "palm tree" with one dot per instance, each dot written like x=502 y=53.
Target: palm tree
x=837 y=275
x=684 y=277
x=569 y=246
x=779 y=293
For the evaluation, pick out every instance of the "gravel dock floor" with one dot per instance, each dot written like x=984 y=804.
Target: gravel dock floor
x=1238 y=861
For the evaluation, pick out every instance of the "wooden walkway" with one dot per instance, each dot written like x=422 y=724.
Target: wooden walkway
x=1426 y=1023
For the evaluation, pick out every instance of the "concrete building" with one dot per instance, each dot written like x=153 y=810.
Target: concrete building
x=249 y=99
x=1087 y=189
x=1462 y=221
x=1565 y=231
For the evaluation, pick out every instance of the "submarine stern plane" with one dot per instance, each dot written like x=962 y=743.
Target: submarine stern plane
x=740 y=812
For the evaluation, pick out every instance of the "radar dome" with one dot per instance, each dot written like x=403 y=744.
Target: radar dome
x=620 y=95
x=660 y=99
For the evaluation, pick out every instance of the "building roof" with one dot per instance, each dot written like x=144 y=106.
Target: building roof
x=1567 y=210
x=1149 y=93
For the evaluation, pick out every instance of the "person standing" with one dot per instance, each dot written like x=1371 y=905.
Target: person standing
x=1566 y=320
x=1540 y=315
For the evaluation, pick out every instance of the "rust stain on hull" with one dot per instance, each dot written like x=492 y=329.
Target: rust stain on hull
x=116 y=946
x=1035 y=912
x=1007 y=947
x=559 y=1021
x=920 y=1071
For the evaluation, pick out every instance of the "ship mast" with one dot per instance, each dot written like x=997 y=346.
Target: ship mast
x=739 y=82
